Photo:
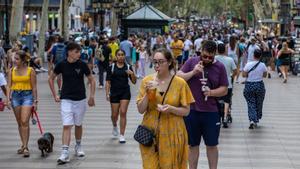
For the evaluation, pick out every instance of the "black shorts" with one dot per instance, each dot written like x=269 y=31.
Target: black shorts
x=205 y=125
x=227 y=98
x=121 y=94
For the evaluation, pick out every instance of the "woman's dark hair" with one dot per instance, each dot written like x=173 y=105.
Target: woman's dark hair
x=118 y=50
x=72 y=46
x=221 y=48
x=168 y=55
x=24 y=57
x=232 y=42
x=257 y=53
x=209 y=46
x=50 y=42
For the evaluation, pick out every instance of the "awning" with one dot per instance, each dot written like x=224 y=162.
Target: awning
x=297 y=20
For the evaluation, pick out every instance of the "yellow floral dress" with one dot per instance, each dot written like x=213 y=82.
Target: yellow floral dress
x=172 y=135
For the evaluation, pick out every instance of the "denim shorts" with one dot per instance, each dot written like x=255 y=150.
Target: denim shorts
x=22 y=98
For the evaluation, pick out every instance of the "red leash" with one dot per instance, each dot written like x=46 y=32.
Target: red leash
x=34 y=113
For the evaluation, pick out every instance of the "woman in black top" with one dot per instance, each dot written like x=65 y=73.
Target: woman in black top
x=284 y=56
x=118 y=92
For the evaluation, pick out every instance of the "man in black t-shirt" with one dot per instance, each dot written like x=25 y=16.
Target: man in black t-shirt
x=73 y=97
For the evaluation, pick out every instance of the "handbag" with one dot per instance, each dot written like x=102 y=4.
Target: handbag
x=145 y=135
x=99 y=54
x=2 y=105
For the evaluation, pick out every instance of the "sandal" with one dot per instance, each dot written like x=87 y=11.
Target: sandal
x=21 y=150
x=26 y=152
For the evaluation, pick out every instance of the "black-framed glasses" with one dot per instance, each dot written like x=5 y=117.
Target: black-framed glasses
x=158 y=62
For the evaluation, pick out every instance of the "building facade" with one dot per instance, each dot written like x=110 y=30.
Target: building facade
x=31 y=15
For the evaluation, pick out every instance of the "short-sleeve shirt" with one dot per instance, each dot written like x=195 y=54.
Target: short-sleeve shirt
x=179 y=46
x=73 y=87
x=126 y=46
x=230 y=66
x=118 y=77
x=216 y=75
x=257 y=74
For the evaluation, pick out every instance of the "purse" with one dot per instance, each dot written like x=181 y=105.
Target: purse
x=145 y=135
x=2 y=105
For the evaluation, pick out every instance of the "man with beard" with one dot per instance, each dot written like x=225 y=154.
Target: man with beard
x=208 y=80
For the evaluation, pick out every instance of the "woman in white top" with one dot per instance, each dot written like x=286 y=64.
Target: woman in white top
x=232 y=49
x=254 y=91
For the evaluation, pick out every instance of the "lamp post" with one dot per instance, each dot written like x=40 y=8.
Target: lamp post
x=6 y=45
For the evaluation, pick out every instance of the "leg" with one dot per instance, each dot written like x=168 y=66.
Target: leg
x=282 y=70
x=66 y=135
x=25 y=116
x=123 y=118
x=17 y=112
x=260 y=100
x=101 y=72
x=193 y=157
x=212 y=156
x=115 y=113
x=78 y=132
x=251 y=102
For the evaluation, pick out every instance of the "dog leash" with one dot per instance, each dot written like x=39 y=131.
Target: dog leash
x=38 y=120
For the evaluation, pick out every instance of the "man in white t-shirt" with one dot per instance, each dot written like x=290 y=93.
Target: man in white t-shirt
x=231 y=71
x=188 y=45
x=197 y=43
x=252 y=47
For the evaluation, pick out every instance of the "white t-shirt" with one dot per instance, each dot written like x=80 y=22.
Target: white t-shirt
x=2 y=83
x=197 y=44
x=257 y=74
x=187 y=45
x=251 y=50
x=229 y=65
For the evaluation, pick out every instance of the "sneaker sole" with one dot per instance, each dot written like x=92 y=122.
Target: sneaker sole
x=61 y=162
x=122 y=142
x=81 y=155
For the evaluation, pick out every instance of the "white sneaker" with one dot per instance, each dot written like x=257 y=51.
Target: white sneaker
x=100 y=87
x=122 y=139
x=64 y=157
x=115 y=131
x=78 y=151
x=43 y=69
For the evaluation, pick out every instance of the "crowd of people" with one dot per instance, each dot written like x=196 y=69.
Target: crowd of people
x=187 y=99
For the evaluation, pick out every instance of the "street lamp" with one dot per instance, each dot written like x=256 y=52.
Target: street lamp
x=6 y=45
x=100 y=6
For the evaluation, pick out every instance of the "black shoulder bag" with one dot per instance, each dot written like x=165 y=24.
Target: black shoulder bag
x=143 y=134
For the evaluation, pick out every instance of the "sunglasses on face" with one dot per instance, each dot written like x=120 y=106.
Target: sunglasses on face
x=158 y=62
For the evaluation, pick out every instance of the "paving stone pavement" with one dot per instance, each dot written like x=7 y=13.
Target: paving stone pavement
x=274 y=145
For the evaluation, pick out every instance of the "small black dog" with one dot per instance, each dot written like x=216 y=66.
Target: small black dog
x=45 y=143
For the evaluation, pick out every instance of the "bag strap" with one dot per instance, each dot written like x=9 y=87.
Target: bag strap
x=165 y=95
x=254 y=67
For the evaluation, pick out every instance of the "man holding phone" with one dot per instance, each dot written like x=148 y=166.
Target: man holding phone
x=204 y=118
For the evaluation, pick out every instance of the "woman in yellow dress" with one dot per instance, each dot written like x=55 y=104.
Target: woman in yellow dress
x=170 y=150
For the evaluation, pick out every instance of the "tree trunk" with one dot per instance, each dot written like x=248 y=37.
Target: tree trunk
x=16 y=19
x=42 y=29
x=114 y=27
x=65 y=19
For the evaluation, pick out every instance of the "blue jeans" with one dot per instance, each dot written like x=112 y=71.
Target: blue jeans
x=22 y=98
